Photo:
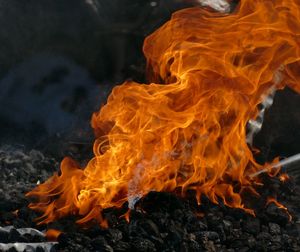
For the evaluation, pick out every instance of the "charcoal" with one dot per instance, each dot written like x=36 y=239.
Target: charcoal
x=18 y=223
x=175 y=237
x=3 y=236
x=209 y=246
x=135 y=230
x=238 y=243
x=111 y=219
x=150 y=228
x=37 y=238
x=264 y=228
x=184 y=247
x=99 y=242
x=244 y=249
x=95 y=231
x=8 y=216
x=274 y=228
x=12 y=249
x=210 y=235
x=213 y=221
x=193 y=224
x=114 y=235
x=160 y=218
x=144 y=245
x=158 y=242
x=122 y=246
x=293 y=229
x=39 y=249
x=264 y=236
x=193 y=246
x=74 y=241
x=227 y=227
x=171 y=202
x=251 y=225
x=160 y=222
x=276 y=214
x=54 y=248
x=237 y=233
x=14 y=236
x=251 y=242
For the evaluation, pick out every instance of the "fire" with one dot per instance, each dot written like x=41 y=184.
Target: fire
x=52 y=234
x=284 y=177
x=279 y=205
x=187 y=129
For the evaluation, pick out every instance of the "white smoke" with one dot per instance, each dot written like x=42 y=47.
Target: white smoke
x=134 y=185
x=255 y=125
x=134 y=193
x=218 y=5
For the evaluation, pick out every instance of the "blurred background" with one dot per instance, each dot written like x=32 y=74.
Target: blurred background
x=60 y=59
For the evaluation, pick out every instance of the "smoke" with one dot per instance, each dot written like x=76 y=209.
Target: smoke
x=218 y=5
x=134 y=193
x=254 y=126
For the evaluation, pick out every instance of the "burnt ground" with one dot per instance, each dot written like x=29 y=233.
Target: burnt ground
x=160 y=222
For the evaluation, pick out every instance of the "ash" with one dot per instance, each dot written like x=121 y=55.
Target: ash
x=159 y=222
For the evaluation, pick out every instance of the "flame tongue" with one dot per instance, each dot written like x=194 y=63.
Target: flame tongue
x=190 y=133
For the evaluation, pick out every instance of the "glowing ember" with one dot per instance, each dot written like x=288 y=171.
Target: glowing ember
x=187 y=131
x=284 y=177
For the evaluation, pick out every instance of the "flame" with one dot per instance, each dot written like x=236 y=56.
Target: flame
x=284 y=177
x=187 y=129
x=280 y=206
x=52 y=234
x=126 y=216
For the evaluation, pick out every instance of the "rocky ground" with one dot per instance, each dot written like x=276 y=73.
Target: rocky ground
x=160 y=222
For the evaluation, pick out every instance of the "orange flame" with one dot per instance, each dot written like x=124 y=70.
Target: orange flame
x=284 y=177
x=279 y=205
x=52 y=234
x=126 y=216
x=187 y=129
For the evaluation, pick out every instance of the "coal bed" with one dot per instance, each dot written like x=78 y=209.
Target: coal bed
x=159 y=222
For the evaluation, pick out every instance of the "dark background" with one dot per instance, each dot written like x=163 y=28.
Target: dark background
x=60 y=59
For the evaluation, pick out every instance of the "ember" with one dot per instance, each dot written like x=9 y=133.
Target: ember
x=187 y=129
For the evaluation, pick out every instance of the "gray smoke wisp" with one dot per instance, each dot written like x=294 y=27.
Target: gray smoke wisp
x=255 y=125
x=218 y=5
